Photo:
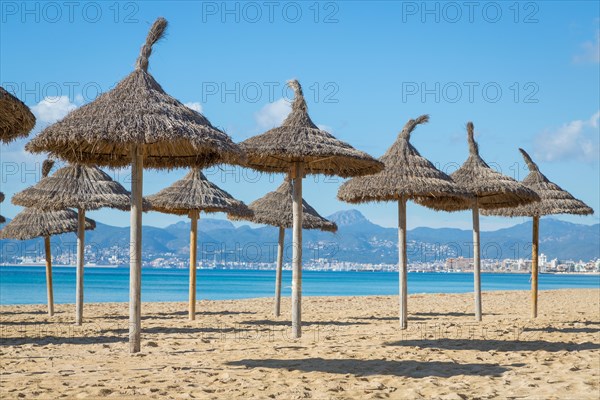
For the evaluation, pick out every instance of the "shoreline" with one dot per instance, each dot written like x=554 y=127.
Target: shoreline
x=311 y=270
x=315 y=297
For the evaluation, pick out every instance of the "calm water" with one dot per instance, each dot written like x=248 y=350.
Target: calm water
x=27 y=285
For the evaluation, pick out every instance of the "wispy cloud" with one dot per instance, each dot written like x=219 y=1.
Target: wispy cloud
x=325 y=128
x=589 y=52
x=273 y=114
x=194 y=105
x=53 y=109
x=575 y=140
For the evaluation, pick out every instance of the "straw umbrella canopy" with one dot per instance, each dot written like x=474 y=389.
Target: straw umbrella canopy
x=553 y=200
x=16 y=119
x=137 y=123
x=2 y=219
x=407 y=176
x=299 y=147
x=490 y=190
x=275 y=208
x=189 y=196
x=31 y=223
x=75 y=186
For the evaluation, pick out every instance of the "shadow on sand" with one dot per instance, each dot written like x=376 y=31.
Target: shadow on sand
x=175 y=314
x=57 y=340
x=178 y=330
x=568 y=329
x=407 y=368
x=268 y=322
x=496 y=345
x=421 y=316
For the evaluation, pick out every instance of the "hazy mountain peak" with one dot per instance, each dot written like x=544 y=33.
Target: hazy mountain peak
x=348 y=217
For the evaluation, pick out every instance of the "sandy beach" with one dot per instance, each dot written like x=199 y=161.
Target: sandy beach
x=351 y=348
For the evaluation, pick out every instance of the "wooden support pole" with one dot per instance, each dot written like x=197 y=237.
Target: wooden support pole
x=135 y=250
x=194 y=215
x=534 y=266
x=279 y=271
x=49 y=291
x=297 y=175
x=476 y=261
x=402 y=263
x=79 y=269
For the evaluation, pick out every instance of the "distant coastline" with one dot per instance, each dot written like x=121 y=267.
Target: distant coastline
x=29 y=265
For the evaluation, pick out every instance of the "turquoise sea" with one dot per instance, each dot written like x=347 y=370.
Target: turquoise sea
x=27 y=285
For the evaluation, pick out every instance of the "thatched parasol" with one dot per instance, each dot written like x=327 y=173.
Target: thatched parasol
x=75 y=186
x=16 y=119
x=31 y=223
x=2 y=219
x=299 y=147
x=490 y=190
x=191 y=195
x=137 y=124
x=275 y=208
x=553 y=200
x=407 y=176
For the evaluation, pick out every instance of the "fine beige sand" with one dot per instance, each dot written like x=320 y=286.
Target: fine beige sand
x=351 y=349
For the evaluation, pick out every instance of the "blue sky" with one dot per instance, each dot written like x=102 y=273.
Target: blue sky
x=527 y=75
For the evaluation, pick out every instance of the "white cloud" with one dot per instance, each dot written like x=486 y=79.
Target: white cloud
x=194 y=105
x=53 y=109
x=589 y=52
x=326 y=128
x=575 y=140
x=273 y=114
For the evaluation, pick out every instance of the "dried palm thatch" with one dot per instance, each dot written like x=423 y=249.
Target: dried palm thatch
x=196 y=193
x=2 y=219
x=74 y=186
x=137 y=124
x=553 y=199
x=299 y=139
x=16 y=119
x=491 y=188
x=190 y=195
x=407 y=175
x=31 y=223
x=137 y=112
x=81 y=187
x=275 y=209
x=299 y=147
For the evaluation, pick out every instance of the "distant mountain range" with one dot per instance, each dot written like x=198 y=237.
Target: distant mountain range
x=357 y=240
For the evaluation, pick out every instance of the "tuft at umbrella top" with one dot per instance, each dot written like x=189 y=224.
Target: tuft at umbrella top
x=275 y=208
x=31 y=223
x=298 y=139
x=16 y=119
x=74 y=186
x=553 y=199
x=407 y=175
x=138 y=112
x=491 y=188
x=196 y=193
